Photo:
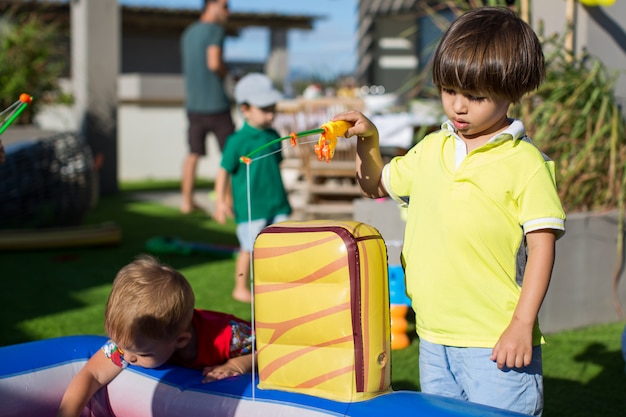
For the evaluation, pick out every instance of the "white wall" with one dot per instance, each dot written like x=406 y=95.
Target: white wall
x=152 y=128
x=153 y=143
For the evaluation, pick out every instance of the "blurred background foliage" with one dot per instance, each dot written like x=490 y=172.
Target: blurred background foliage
x=575 y=119
x=31 y=61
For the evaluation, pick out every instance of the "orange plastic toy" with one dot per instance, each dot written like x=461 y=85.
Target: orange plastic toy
x=399 y=326
x=325 y=148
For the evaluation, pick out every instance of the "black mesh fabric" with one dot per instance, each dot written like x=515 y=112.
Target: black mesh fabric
x=48 y=182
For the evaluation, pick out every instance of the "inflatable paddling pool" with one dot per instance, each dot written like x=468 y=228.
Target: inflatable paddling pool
x=322 y=333
x=33 y=377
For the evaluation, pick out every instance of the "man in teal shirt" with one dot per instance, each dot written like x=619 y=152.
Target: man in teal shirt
x=206 y=102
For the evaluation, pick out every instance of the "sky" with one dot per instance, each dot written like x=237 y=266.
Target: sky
x=326 y=51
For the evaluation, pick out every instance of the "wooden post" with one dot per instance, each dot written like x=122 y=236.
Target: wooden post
x=570 y=20
x=525 y=11
x=277 y=65
x=95 y=32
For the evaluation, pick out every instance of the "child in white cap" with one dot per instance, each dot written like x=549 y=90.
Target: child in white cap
x=256 y=98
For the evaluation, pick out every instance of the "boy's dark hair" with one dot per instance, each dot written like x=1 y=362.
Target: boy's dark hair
x=489 y=50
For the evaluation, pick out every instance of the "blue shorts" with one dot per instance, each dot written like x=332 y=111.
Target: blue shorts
x=248 y=231
x=469 y=374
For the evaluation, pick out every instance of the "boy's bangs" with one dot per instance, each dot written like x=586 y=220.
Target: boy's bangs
x=461 y=75
x=471 y=70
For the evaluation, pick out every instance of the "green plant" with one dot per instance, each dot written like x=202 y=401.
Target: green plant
x=574 y=118
x=31 y=60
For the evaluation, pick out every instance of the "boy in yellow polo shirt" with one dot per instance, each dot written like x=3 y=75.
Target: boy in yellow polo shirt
x=483 y=217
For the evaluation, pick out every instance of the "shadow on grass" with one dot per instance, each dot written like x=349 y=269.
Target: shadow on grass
x=603 y=395
x=51 y=283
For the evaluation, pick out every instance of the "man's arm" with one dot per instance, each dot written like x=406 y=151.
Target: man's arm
x=215 y=60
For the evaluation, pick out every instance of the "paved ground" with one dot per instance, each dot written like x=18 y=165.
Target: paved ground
x=207 y=200
x=172 y=198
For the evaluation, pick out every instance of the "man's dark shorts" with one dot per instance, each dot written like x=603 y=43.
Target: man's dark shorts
x=200 y=124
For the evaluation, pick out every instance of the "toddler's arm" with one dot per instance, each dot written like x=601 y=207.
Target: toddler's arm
x=97 y=372
x=369 y=163
x=514 y=349
x=234 y=366
x=223 y=203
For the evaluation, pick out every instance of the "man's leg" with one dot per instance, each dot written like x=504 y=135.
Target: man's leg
x=196 y=140
x=222 y=126
x=188 y=182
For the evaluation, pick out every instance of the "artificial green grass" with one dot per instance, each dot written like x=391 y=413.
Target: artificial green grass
x=155 y=185
x=62 y=292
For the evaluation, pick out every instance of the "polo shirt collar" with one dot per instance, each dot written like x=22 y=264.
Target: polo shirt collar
x=249 y=130
x=514 y=131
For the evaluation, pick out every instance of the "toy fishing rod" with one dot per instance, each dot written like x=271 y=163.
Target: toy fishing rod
x=15 y=110
x=325 y=147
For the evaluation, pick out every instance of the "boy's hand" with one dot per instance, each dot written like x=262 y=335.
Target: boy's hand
x=369 y=162
x=361 y=125
x=514 y=348
x=222 y=212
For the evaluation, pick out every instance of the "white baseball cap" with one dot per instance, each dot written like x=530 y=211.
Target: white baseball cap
x=257 y=90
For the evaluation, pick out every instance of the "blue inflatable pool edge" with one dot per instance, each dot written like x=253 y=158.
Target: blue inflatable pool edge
x=33 y=377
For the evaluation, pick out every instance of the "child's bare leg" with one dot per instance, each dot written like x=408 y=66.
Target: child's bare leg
x=242 y=272
x=188 y=184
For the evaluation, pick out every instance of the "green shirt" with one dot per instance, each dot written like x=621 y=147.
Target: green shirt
x=204 y=89
x=464 y=237
x=268 y=197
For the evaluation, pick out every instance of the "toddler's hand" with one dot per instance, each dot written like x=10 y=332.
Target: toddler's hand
x=225 y=370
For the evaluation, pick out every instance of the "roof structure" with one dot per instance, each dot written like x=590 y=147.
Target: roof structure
x=136 y=19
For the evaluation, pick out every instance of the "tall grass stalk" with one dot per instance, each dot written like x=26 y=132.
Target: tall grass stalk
x=574 y=118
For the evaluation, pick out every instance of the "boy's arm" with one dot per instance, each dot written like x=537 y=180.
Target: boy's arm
x=97 y=372
x=223 y=202
x=234 y=366
x=369 y=163
x=514 y=349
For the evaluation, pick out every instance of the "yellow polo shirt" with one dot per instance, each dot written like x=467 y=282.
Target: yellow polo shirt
x=464 y=236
